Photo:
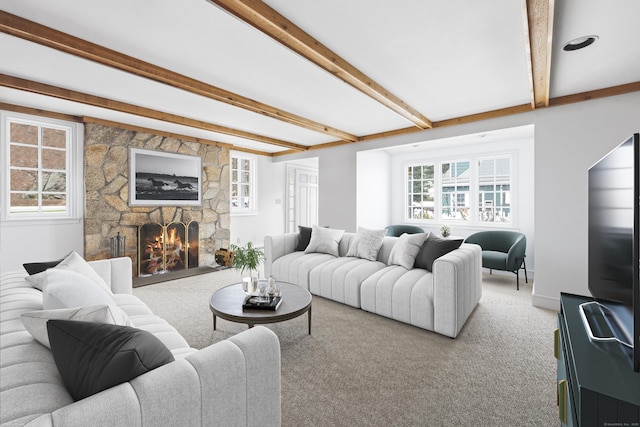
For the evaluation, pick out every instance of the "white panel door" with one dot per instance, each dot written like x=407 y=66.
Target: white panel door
x=306 y=212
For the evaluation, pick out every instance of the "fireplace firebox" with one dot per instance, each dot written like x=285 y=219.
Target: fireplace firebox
x=167 y=248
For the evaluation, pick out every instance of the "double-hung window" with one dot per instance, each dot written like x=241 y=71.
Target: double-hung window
x=243 y=183
x=475 y=190
x=454 y=190
x=420 y=191
x=39 y=160
x=494 y=190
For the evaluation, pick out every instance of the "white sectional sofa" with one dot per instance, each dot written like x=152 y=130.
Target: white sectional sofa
x=440 y=300
x=233 y=382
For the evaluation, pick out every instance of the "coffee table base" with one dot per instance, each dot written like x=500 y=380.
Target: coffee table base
x=253 y=323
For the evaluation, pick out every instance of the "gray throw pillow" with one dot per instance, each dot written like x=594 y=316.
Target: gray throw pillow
x=305 y=237
x=92 y=357
x=366 y=244
x=36 y=321
x=324 y=240
x=433 y=248
x=406 y=249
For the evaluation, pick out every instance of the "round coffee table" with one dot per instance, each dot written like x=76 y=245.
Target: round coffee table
x=226 y=303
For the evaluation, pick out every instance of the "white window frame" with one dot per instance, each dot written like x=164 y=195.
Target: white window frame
x=253 y=178
x=474 y=220
x=74 y=171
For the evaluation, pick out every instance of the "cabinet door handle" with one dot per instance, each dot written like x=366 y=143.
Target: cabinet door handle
x=562 y=401
x=556 y=343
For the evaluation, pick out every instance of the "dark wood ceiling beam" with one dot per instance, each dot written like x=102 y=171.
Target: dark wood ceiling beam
x=34 y=32
x=96 y=101
x=262 y=17
x=539 y=16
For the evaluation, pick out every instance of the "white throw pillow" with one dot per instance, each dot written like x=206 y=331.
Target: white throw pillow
x=406 y=249
x=366 y=243
x=66 y=289
x=36 y=321
x=73 y=262
x=324 y=240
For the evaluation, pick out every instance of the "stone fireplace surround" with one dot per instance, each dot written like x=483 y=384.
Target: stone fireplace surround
x=107 y=210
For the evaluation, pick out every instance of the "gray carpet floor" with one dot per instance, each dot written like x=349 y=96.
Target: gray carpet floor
x=360 y=369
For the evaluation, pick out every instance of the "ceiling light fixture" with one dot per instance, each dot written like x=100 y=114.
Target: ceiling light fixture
x=579 y=43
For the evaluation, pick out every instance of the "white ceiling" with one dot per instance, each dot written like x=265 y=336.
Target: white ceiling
x=444 y=59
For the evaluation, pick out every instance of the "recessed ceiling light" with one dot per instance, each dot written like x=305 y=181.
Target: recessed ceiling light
x=579 y=43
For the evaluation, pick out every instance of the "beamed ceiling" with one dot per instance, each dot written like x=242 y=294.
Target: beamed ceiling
x=276 y=76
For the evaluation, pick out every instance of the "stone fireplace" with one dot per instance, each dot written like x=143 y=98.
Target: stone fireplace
x=107 y=209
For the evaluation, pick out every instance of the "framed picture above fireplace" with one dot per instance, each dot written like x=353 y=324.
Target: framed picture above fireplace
x=158 y=178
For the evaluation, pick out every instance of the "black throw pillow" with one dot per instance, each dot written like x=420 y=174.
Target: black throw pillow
x=433 y=248
x=38 y=267
x=305 y=238
x=92 y=357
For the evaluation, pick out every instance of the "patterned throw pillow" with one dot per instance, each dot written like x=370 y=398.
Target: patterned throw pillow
x=366 y=243
x=324 y=240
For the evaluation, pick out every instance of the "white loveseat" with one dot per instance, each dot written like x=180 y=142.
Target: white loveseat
x=233 y=382
x=440 y=300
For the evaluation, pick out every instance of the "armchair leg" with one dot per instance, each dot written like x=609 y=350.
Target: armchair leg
x=517 y=280
x=524 y=263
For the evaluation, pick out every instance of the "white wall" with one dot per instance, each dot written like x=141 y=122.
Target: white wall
x=568 y=139
x=373 y=189
x=37 y=242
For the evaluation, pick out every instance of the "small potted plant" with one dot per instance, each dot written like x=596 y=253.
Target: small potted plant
x=446 y=231
x=247 y=258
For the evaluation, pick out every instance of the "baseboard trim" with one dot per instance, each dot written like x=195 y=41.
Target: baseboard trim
x=544 y=301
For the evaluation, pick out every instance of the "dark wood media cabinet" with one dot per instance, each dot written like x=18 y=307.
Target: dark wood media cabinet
x=596 y=382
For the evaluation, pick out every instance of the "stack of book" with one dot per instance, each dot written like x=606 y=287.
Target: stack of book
x=261 y=303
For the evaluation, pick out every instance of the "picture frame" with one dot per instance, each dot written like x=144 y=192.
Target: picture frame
x=159 y=178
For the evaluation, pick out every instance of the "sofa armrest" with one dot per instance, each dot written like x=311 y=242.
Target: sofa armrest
x=277 y=246
x=232 y=382
x=457 y=279
x=116 y=272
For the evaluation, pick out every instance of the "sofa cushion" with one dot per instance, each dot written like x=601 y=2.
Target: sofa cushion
x=406 y=249
x=305 y=237
x=39 y=267
x=73 y=262
x=366 y=244
x=36 y=321
x=92 y=357
x=433 y=248
x=66 y=288
x=324 y=240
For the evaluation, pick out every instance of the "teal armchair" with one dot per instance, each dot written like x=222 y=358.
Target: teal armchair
x=399 y=229
x=502 y=250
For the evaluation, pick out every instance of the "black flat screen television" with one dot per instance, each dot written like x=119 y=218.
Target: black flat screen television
x=614 y=242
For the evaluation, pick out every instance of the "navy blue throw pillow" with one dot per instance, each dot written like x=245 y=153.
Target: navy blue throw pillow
x=92 y=357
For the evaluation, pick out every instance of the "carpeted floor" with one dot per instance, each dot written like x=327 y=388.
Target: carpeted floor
x=360 y=369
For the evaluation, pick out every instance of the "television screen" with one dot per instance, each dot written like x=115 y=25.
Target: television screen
x=613 y=237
